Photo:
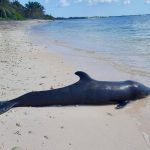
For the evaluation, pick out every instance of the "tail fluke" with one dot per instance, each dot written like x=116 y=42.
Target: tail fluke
x=6 y=105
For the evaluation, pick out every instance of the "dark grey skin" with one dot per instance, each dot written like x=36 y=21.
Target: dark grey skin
x=86 y=91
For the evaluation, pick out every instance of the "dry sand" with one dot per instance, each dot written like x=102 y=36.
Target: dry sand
x=28 y=67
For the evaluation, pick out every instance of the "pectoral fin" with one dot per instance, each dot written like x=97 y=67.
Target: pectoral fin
x=121 y=104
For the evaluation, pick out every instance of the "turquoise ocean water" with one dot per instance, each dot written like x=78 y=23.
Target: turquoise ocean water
x=124 y=40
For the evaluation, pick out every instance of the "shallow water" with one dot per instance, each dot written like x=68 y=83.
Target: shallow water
x=123 y=40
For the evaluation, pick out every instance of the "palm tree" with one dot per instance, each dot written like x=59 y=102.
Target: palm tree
x=18 y=7
x=6 y=11
x=15 y=10
x=34 y=10
x=4 y=8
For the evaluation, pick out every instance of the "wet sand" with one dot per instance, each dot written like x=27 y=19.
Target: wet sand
x=26 y=66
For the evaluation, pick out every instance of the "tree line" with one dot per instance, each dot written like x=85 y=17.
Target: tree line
x=16 y=11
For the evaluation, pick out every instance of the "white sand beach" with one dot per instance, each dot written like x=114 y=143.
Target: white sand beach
x=26 y=66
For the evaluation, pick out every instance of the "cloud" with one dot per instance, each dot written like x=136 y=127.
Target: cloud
x=126 y=2
x=46 y=1
x=93 y=2
x=147 y=1
x=100 y=1
x=64 y=3
x=78 y=1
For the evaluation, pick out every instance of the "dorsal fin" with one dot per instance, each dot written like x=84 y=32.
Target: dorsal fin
x=83 y=75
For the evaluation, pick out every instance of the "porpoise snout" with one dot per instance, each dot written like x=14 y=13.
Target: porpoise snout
x=148 y=91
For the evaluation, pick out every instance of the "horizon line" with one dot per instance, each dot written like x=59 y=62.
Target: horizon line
x=102 y=16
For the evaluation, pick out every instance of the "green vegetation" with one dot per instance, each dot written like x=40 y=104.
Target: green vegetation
x=16 y=11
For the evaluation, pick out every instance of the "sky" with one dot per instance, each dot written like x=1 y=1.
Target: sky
x=71 y=8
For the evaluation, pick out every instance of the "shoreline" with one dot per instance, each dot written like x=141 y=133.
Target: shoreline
x=66 y=50
x=26 y=66
x=97 y=55
x=132 y=57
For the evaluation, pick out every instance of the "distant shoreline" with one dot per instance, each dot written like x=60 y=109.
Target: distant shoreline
x=95 y=17
x=76 y=17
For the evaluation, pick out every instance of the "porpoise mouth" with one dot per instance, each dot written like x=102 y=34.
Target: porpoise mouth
x=148 y=91
x=144 y=93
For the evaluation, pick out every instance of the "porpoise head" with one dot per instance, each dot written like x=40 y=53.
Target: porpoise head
x=141 y=90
